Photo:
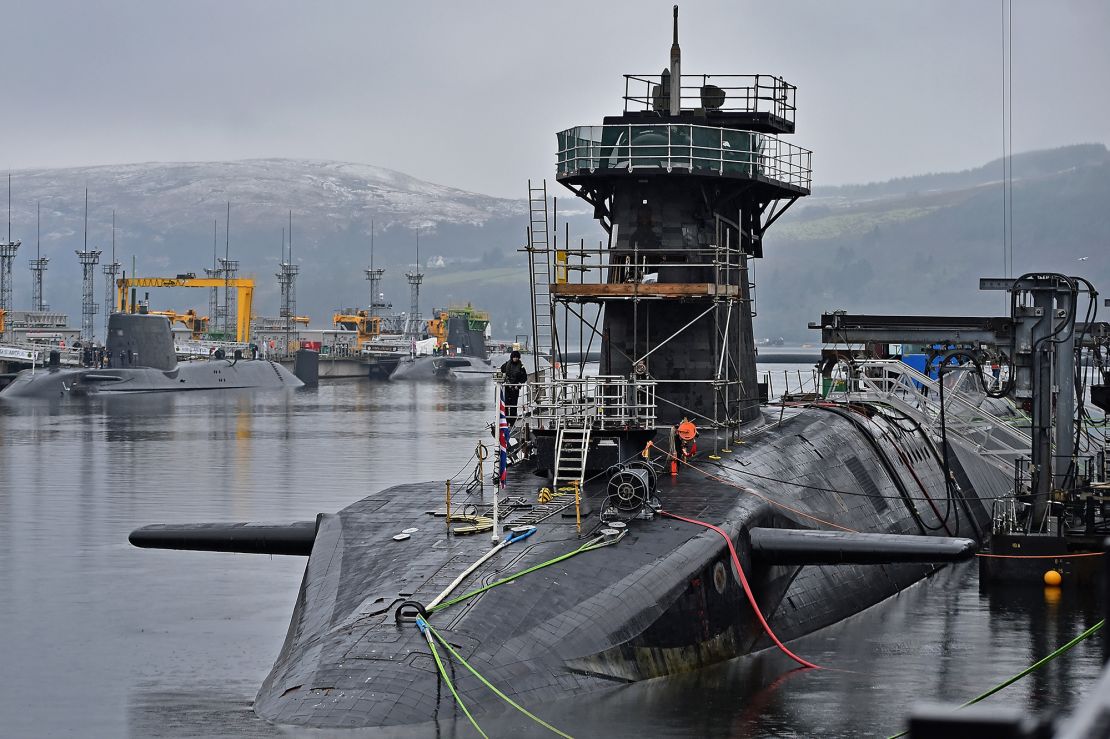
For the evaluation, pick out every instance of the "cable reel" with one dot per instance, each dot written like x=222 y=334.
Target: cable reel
x=630 y=486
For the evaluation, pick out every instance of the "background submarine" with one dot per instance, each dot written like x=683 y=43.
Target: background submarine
x=142 y=360
x=785 y=520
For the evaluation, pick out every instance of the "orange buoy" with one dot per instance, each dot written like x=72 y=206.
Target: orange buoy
x=1052 y=578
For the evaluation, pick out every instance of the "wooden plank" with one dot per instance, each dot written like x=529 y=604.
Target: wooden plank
x=642 y=290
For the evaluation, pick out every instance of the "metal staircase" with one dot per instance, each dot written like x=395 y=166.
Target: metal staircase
x=571 y=445
x=539 y=270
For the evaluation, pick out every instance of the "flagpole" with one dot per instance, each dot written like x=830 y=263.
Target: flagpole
x=500 y=457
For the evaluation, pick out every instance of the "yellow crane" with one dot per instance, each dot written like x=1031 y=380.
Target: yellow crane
x=244 y=289
x=360 y=321
x=197 y=325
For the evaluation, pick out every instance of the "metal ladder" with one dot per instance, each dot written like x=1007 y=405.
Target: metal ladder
x=539 y=271
x=571 y=445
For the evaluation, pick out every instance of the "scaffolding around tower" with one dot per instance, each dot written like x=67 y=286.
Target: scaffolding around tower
x=88 y=258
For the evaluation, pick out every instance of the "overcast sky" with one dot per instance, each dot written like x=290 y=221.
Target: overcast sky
x=470 y=94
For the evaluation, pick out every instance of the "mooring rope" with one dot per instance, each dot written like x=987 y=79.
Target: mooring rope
x=1031 y=668
x=427 y=629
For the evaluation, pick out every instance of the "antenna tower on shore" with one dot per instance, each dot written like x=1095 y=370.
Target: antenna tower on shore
x=287 y=281
x=7 y=258
x=89 y=259
x=111 y=273
x=214 y=273
x=377 y=298
x=229 y=269
x=38 y=266
x=415 y=277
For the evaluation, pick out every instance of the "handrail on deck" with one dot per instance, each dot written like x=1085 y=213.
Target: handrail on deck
x=601 y=401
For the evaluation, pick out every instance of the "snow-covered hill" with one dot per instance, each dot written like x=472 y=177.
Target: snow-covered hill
x=166 y=214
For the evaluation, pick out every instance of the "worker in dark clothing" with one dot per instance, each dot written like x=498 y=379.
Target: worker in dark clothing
x=515 y=377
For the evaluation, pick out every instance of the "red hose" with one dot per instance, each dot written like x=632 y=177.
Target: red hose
x=747 y=588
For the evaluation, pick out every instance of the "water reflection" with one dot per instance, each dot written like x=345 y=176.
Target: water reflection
x=102 y=639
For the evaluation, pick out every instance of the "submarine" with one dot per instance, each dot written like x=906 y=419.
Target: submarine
x=658 y=517
x=142 y=359
x=463 y=333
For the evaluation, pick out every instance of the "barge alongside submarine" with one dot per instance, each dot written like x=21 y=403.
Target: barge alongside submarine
x=619 y=571
x=142 y=359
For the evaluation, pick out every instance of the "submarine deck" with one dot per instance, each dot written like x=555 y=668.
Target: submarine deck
x=657 y=602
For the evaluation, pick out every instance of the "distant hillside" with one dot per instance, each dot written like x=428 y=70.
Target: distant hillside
x=1025 y=165
x=911 y=245
x=920 y=244
x=165 y=215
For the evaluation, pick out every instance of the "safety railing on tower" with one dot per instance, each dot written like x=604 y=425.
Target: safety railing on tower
x=726 y=93
x=704 y=150
x=600 y=401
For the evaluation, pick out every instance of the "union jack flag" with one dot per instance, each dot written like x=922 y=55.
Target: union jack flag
x=503 y=439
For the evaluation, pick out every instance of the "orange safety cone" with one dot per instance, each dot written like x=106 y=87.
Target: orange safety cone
x=674 y=466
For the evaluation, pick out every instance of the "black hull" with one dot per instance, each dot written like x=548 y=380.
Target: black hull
x=662 y=601
x=216 y=374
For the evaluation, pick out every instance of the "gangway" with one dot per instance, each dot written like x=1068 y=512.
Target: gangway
x=895 y=383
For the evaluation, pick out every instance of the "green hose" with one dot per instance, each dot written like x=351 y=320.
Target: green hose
x=446 y=679
x=491 y=686
x=467 y=596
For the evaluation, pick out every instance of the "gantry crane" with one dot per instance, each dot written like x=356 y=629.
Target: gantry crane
x=244 y=288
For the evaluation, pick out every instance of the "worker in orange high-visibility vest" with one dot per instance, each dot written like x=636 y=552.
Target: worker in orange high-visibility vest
x=685 y=444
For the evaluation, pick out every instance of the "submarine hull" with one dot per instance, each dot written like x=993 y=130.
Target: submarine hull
x=665 y=599
x=449 y=369
x=214 y=374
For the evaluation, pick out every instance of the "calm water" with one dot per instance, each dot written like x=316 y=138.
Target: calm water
x=100 y=639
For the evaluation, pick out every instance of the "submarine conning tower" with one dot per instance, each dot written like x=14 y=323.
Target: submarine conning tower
x=685 y=182
x=140 y=340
